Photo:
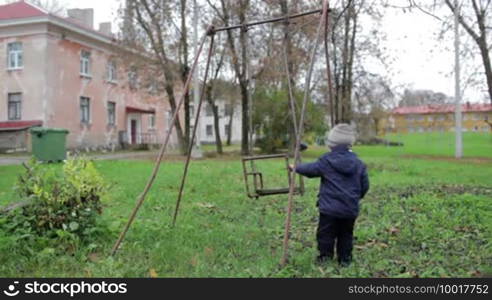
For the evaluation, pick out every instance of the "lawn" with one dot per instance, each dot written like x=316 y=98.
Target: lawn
x=426 y=215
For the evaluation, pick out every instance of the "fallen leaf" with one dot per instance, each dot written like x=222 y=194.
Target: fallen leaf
x=88 y=272
x=394 y=230
x=94 y=257
x=205 y=205
x=153 y=273
x=194 y=261
x=209 y=251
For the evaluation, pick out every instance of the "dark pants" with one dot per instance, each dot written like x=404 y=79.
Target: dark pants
x=339 y=229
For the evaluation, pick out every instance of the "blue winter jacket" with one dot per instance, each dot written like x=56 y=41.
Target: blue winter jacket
x=344 y=182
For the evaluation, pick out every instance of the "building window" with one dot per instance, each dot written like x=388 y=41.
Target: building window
x=85 y=110
x=441 y=118
x=430 y=118
x=210 y=130
x=112 y=71
x=14 y=106
x=477 y=117
x=410 y=118
x=14 y=56
x=111 y=113
x=152 y=88
x=228 y=110
x=226 y=129
x=209 y=111
x=152 y=122
x=85 y=63
x=133 y=78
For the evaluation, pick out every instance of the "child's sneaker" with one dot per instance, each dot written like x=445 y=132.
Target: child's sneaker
x=322 y=259
x=345 y=263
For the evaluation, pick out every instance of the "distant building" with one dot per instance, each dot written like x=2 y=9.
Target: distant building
x=226 y=112
x=437 y=118
x=62 y=73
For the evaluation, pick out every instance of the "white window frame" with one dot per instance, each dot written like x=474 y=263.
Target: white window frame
x=111 y=113
x=85 y=110
x=151 y=121
x=85 y=63
x=133 y=78
x=17 y=103
x=112 y=72
x=15 y=57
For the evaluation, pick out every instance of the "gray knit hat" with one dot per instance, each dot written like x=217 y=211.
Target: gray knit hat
x=342 y=134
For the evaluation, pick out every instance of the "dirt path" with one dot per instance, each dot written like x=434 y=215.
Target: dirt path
x=17 y=160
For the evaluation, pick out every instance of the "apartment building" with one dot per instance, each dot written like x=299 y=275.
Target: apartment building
x=59 y=72
x=438 y=118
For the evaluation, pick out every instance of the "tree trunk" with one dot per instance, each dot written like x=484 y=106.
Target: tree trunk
x=245 y=119
x=157 y=44
x=229 y=133
x=172 y=101
x=240 y=67
x=215 y=111
x=487 y=66
x=480 y=38
x=185 y=70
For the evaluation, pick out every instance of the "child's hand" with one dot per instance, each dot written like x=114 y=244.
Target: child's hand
x=291 y=168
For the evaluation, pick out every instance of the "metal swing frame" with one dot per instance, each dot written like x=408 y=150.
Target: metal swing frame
x=324 y=20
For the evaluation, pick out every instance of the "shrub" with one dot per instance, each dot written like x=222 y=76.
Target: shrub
x=60 y=203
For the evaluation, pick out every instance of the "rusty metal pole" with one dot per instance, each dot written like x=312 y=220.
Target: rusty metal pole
x=157 y=166
x=328 y=69
x=283 y=261
x=190 y=150
x=292 y=104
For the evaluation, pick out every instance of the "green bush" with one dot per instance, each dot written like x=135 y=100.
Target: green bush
x=272 y=120
x=61 y=203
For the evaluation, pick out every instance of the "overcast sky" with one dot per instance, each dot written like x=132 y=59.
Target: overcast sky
x=419 y=61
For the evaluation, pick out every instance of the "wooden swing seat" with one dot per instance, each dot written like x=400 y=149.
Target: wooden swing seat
x=257 y=189
x=271 y=192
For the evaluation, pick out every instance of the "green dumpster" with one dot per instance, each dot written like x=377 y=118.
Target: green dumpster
x=49 y=144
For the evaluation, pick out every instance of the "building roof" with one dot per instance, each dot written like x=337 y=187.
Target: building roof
x=18 y=125
x=25 y=10
x=20 y=10
x=446 y=108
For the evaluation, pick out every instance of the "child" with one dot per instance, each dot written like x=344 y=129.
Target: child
x=344 y=182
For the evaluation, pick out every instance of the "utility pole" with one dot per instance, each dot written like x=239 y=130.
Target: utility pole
x=457 y=92
x=197 y=151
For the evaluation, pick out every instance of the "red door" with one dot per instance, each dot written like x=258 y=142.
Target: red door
x=134 y=131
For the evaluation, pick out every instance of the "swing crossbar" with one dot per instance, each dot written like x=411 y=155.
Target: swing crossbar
x=273 y=20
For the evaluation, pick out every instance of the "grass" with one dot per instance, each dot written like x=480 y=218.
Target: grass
x=422 y=217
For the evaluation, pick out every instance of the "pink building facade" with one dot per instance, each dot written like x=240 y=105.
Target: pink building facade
x=62 y=73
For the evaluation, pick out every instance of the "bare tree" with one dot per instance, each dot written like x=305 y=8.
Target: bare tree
x=228 y=12
x=152 y=20
x=478 y=24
